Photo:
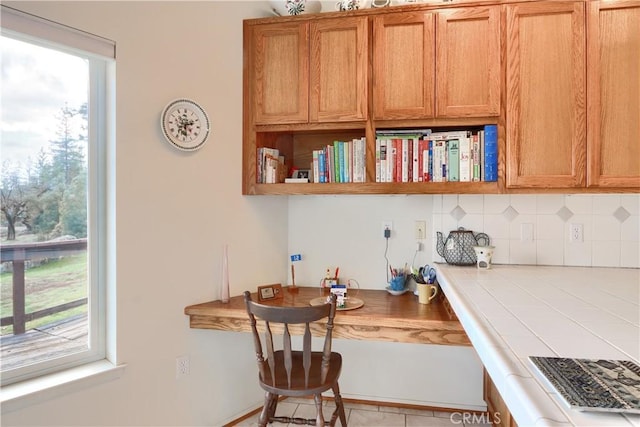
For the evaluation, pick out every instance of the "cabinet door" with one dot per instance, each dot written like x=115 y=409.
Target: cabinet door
x=468 y=62
x=403 y=65
x=338 y=70
x=280 y=67
x=614 y=94
x=545 y=117
x=498 y=412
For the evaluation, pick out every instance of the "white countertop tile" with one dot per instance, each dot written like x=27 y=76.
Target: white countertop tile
x=512 y=312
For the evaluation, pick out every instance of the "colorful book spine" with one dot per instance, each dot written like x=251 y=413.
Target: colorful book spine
x=322 y=168
x=490 y=153
x=384 y=155
x=348 y=156
x=415 y=159
x=378 y=175
x=405 y=160
x=465 y=160
x=423 y=148
x=391 y=160
x=397 y=143
x=338 y=161
x=314 y=166
x=439 y=164
x=453 y=160
x=475 y=155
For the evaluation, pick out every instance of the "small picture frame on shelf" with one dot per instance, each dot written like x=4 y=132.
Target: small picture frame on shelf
x=301 y=173
x=270 y=292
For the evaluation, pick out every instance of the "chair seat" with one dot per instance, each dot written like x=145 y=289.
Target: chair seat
x=298 y=387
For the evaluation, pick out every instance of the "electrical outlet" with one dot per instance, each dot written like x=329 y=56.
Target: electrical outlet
x=576 y=233
x=421 y=227
x=183 y=367
x=387 y=225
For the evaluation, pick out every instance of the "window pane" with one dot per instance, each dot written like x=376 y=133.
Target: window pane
x=44 y=144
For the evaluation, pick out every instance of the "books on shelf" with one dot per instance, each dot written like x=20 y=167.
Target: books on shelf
x=420 y=155
x=401 y=155
x=592 y=384
x=340 y=162
x=398 y=155
x=270 y=166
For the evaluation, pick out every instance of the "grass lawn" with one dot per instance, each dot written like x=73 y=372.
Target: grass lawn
x=57 y=282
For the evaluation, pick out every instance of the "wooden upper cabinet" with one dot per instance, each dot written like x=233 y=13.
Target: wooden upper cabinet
x=339 y=63
x=279 y=64
x=613 y=73
x=403 y=65
x=546 y=103
x=468 y=62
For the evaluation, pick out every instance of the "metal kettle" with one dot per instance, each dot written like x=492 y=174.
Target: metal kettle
x=457 y=249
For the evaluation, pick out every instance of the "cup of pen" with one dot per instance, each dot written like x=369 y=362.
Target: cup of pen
x=397 y=282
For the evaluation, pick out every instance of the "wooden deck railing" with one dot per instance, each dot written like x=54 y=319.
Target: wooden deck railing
x=18 y=254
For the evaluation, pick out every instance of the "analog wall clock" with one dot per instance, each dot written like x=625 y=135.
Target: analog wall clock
x=185 y=124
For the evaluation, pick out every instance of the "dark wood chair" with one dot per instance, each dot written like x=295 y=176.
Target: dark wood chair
x=296 y=373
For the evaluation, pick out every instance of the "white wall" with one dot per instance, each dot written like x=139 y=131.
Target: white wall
x=175 y=211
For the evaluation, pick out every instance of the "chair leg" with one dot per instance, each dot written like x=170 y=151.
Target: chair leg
x=266 y=414
x=273 y=407
x=339 y=404
x=319 y=416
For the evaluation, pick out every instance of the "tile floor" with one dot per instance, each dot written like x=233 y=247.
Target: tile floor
x=374 y=415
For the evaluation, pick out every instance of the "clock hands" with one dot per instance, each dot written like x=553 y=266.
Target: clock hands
x=184 y=125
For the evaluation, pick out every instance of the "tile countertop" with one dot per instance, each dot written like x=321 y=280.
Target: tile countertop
x=511 y=312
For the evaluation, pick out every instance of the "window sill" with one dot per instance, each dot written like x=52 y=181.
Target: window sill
x=27 y=393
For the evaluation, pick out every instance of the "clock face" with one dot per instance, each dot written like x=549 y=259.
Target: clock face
x=185 y=124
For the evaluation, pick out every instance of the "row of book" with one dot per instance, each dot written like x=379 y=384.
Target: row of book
x=407 y=155
x=342 y=161
x=271 y=168
x=419 y=155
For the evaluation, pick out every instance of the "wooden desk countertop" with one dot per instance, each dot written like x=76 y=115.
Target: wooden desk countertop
x=383 y=317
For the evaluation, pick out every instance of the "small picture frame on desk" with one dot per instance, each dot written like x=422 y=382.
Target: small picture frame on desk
x=270 y=292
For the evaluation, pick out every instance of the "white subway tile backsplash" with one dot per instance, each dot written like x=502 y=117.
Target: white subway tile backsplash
x=610 y=223
x=549 y=252
x=605 y=228
x=629 y=254
x=496 y=226
x=605 y=204
x=621 y=214
x=549 y=203
x=501 y=253
x=630 y=202
x=606 y=253
x=449 y=202
x=630 y=229
x=577 y=253
x=522 y=252
x=437 y=204
x=580 y=203
x=472 y=203
x=523 y=203
x=495 y=203
x=473 y=222
x=550 y=228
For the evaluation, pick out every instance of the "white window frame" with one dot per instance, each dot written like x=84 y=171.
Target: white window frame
x=100 y=54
